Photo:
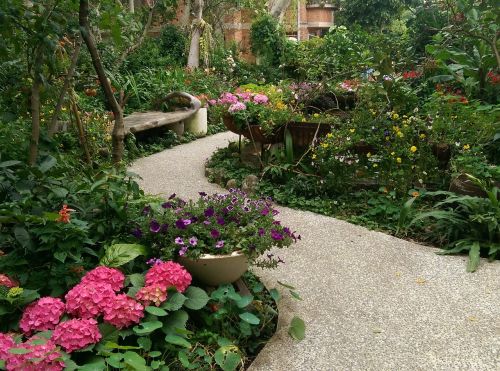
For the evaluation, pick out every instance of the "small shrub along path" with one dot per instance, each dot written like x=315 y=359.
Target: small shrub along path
x=370 y=301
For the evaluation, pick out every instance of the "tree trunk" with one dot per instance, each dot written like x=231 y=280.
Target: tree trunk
x=194 y=47
x=64 y=89
x=81 y=132
x=131 y=6
x=278 y=8
x=35 y=120
x=118 y=129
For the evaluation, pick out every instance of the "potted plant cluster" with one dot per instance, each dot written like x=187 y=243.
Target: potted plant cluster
x=217 y=236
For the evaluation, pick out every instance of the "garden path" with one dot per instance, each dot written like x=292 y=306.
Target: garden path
x=370 y=301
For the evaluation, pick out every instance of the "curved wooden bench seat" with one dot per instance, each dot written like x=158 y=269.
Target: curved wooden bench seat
x=140 y=121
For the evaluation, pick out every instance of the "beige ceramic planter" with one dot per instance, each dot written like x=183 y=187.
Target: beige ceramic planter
x=214 y=270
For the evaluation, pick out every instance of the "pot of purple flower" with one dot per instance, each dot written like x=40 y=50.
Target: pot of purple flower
x=217 y=236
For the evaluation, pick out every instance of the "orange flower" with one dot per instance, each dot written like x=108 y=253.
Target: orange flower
x=64 y=214
x=415 y=194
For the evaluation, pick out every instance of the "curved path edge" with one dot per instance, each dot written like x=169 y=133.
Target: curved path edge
x=370 y=301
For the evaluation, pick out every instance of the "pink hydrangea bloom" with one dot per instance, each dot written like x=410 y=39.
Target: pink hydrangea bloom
x=152 y=294
x=41 y=315
x=228 y=98
x=108 y=275
x=123 y=311
x=246 y=96
x=238 y=106
x=260 y=99
x=88 y=300
x=168 y=274
x=6 y=342
x=7 y=281
x=42 y=355
x=76 y=334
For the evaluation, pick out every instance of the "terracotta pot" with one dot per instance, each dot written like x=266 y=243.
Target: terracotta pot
x=303 y=132
x=214 y=270
x=231 y=125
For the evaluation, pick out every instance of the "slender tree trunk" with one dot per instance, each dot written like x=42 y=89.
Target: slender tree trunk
x=35 y=120
x=81 y=132
x=131 y=6
x=118 y=129
x=278 y=8
x=194 y=47
x=65 y=87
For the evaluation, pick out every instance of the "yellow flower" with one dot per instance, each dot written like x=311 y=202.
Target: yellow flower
x=324 y=145
x=316 y=115
x=313 y=156
x=466 y=147
x=368 y=155
x=329 y=135
x=400 y=134
x=393 y=153
x=375 y=165
x=303 y=119
x=395 y=116
x=413 y=149
x=352 y=130
x=398 y=160
x=422 y=136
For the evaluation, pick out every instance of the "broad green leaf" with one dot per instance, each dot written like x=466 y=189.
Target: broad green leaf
x=95 y=363
x=474 y=257
x=145 y=328
x=154 y=354
x=145 y=343
x=177 y=340
x=61 y=255
x=48 y=163
x=120 y=254
x=275 y=294
x=156 y=311
x=196 y=298
x=227 y=358
x=297 y=328
x=115 y=360
x=23 y=237
x=136 y=279
x=244 y=301
x=135 y=361
x=9 y=163
x=109 y=333
x=250 y=318
x=174 y=302
x=175 y=320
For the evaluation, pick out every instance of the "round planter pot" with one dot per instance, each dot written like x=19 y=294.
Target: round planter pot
x=214 y=270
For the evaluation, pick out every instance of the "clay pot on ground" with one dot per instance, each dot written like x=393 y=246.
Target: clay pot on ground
x=215 y=270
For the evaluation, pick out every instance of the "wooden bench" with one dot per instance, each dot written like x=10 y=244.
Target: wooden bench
x=140 y=121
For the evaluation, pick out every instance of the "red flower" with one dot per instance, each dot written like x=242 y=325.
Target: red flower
x=493 y=78
x=411 y=75
x=64 y=214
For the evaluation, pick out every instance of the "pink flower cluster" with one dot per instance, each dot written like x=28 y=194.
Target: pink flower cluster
x=41 y=315
x=227 y=98
x=102 y=274
x=152 y=294
x=260 y=99
x=168 y=274
x=238 y=106
x=89 y=300
x=237 y=101
x=7 y=281
x=76 y=334
x=123 y=311
x=42 y=355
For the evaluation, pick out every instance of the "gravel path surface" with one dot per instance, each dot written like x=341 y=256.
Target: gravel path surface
x=370 y=301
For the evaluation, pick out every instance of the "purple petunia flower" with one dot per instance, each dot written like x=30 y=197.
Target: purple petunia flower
x=182 y=223
x=261 y=232
x=154 y=261
x=209 y=212
x=193 y=241
x=214 y=233
x=172 y=196
x=219 y=244
x=137 y=233
x=179 y=241
x=275 y=235
x=275 y=212
x=207 y=222
x=154 y=226
x=146 y=210
x=202 y=194
x=167 y=205
x=264 y=211
x=183 y=250
x=220 y=220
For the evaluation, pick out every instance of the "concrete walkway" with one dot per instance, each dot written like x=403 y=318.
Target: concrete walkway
x=370 y=301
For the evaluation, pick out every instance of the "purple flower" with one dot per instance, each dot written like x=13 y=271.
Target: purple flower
x=137 y=233
x=154 y=261
x=167 y=205
x=229 y=208
x=182 y=223
x=209 y=212
x=154 y=226
x=164 y=228
x=193 y=241
x=219 y=244
x=287 y=231
x=275 y=235
x=277 y=222
x=207 y=222
x=220 y=220
x=280 y=260
x=202 y=194
x=265 y=211
x=179 y=241
x=146 y=210
x=246 y=209
x=275 y=212
x=238 y=106
x=193 y=219
x=234 y=200
x=183 y=250
x=214 y=233
x=261 y=232
x=172 y=196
